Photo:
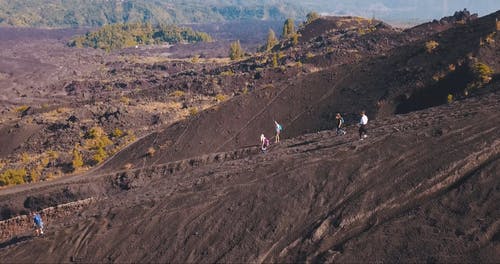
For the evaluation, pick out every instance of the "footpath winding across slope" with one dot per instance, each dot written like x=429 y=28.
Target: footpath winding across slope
x=422 y=187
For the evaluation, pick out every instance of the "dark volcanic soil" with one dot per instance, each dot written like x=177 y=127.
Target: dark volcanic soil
x=422 y=187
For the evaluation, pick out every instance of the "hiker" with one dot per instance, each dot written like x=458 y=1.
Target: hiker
x=278 y=128
x=340 y=124
x=264 y=143
x=362 y=125
x=38 y=223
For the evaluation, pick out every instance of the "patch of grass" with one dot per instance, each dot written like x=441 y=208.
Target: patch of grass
x=117 y=133
x=193 y=111
x=125 y=100
x=177 y=93
x=21 y=108
x=221 y=97
x=227 y=73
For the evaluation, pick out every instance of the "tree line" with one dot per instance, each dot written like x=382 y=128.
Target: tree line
x=123 y=35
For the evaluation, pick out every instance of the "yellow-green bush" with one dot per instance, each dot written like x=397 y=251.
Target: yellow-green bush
x=77 y=159
x=221 y=97
x=430 y=46
x=117 y=133
x=482 y=72
x=13 y=176
x=227 y=73
x=193 y=111
x=177 y=93
x=99 y=156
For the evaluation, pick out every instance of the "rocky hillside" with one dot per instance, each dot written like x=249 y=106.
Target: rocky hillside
x=194 y=187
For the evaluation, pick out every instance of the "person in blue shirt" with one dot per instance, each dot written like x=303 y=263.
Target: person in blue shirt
x=37 y=221
x=278 y=128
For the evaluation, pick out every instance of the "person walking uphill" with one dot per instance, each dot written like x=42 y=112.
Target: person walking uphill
x=264 y=143
x=278 y=128
x=340 y=124
x=37 y=221
x=362 y=125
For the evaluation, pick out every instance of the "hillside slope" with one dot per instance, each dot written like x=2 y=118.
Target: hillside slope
x=399 y=81
x=422 y=187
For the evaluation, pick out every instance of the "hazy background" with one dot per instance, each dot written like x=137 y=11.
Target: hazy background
x=94 y=13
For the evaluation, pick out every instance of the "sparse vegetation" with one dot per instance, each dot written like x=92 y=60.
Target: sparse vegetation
x=271 y=40
x=125 y=100
x=275 y=60
x=227 y=73
x=430 y=46
x=12 y=177
x=117 y=133
x=449 y=98
x=288 y=28
x=311 y=16
x=193 y=111
x=21 y=108
x=177 y=93
x=77 y=161
x=99 y=156
x=236 y=51
x=482 y=72
x=221 y=97
x=295 y=39
x=151 y=151
x=195 y=59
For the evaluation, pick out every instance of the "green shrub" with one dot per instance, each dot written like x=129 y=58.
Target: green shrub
x=13 y=176
x=177 y=93
x=449 y=98
x=193 y=111
x=227 y=73
x=117 y=133
x=430 y=46
x=99 y=155
x=482 y=72
x=221 y=97
x=77 y=159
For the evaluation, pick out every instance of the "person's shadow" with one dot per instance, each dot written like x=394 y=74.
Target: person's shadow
x=15 y=240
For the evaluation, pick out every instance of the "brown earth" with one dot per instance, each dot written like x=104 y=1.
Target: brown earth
x=422 y=187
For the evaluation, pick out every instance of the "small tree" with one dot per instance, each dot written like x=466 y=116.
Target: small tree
x=271 y=40
x=288 y=28
x=77 y=159
x=311 y=17
x=275 y=60
x=295 y=39
x=236 y=52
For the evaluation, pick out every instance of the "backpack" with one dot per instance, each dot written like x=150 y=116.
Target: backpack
x=37 y=219
x=279 y=127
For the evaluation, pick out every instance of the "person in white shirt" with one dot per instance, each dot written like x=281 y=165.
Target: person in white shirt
x=362 y=125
